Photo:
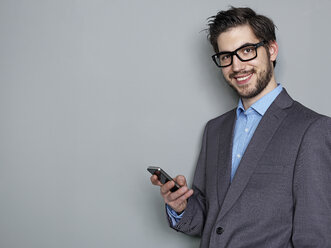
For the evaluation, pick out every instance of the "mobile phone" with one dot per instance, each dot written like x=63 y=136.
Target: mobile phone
x=162 y=176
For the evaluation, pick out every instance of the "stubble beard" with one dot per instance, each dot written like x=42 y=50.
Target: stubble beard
x=263 y=79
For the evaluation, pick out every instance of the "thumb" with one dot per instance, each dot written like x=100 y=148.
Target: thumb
x=181 y=180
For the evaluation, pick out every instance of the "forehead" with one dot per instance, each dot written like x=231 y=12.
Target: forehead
x=236 y=37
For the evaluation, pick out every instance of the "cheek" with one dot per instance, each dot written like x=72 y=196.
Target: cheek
x=226 y=72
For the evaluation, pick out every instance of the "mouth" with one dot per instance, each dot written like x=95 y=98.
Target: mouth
x=243 y=79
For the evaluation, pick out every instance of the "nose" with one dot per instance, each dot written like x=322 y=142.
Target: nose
x=237 y=64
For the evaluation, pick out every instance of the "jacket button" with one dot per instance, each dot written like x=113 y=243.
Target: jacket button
x=219 y=230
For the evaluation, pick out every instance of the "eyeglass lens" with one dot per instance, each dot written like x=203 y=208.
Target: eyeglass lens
x=245 y=53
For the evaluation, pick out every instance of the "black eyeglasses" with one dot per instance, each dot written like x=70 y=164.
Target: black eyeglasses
x=244 y=53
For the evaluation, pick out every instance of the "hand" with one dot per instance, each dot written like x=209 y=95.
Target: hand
x=176 y=200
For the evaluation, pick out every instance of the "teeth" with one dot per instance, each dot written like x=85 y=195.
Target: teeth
x=243 y=78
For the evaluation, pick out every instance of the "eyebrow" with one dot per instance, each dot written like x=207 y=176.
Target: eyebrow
x=245 y=44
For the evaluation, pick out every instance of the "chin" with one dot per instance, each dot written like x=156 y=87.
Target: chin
x=245 y=91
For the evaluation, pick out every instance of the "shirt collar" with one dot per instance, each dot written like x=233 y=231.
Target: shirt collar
x=262 y=105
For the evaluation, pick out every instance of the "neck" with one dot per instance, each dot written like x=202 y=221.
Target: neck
x=247 y=102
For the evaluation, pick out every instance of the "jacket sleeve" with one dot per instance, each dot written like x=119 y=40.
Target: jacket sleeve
x=192 y=221
x=312 y=187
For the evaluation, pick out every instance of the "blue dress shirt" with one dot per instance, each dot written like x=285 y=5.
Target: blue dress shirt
x=246 y=123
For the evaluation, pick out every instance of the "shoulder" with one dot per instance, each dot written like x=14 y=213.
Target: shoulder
x=301 y=114
x=227 y=117
x=315 y=128
x=294 y=110
x=319 y=128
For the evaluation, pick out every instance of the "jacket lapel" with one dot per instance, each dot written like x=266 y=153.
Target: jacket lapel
x=224 y=156
x=255 y=149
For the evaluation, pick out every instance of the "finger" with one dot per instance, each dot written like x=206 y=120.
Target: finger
x=155 y=180
x=165 y=188
x=181 y=180
x=181 y=199
x=178 y=193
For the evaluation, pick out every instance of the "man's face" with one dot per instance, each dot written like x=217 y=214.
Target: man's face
x=248 y=78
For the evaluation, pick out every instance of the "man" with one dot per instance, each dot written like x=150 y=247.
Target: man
x=263 y=177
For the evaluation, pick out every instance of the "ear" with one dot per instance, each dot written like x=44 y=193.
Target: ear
x=273 y=50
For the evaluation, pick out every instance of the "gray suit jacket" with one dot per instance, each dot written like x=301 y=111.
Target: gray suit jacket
x=281 y=193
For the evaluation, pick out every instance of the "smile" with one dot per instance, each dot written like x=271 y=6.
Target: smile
x=244 y=79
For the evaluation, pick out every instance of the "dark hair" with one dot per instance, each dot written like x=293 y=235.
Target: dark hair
x=262 y=26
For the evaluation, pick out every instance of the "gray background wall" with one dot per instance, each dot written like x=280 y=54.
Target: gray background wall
x=92 y=92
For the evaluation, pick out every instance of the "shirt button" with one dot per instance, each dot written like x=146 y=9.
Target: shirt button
x=246 y=130
x=219 y=230
x=238 y=155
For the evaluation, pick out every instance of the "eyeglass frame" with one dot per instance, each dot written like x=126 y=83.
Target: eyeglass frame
x=256 y=46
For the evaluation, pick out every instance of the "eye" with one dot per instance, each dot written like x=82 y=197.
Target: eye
x=248 y=50
x=224 y=57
